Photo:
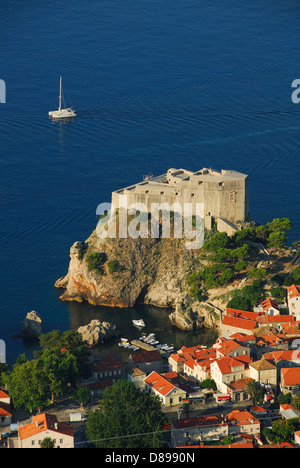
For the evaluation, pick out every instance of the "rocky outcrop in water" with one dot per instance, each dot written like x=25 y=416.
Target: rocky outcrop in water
x=32 y=326
x=96 y=332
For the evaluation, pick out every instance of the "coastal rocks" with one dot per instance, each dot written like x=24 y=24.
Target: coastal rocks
x=153 y=271
x=96 y=332
x=32 y=326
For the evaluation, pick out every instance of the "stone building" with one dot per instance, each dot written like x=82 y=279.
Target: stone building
x=224 y=195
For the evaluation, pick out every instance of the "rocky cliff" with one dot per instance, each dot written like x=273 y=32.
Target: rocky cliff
x=134 y=271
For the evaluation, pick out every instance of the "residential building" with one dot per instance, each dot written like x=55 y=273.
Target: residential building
x=5 y=411
x=159 y=385
x=270 y=307
x=293 y=300
x=290 y=380
x=264 y=372
x=137 y=377
x=202 y=428
x=226 y=369
x=147 y=361
x=108 y=368
x=270 y=341
x=237 y=390
x=5 y=414
x=241 y=321
x=45 y=425
x=287 y=358
x=232 y=348
x=276 y=321
x=288 y=412
x=243 y=422
x=191 y=431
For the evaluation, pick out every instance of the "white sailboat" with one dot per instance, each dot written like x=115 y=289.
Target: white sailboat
x=62 y=112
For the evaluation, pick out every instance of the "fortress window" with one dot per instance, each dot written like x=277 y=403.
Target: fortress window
x=176 y=193
x=162 y=193
x=221 y=184
x=192 y=194
x=232 y=197
x=146 y=191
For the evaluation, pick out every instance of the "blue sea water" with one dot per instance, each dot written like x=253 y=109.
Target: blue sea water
x=155 y=85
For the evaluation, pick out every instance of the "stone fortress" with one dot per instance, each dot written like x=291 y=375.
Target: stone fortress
x=224 y=194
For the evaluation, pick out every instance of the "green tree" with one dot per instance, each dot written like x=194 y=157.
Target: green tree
x=283 y=430
x=126 y=418
x=257 y=273
x=69 y=340
x=219 y=241
x=60 y=367
x=208 y=383
x=27 y=386
x=295 y=403
x=278 y=293
x=47 y=443
x=277 y=239
x=280 y=224
x=255 y=390
x=82 y=396
x=240 y=303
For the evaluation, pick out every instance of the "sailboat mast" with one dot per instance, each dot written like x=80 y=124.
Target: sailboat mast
x=60 y=91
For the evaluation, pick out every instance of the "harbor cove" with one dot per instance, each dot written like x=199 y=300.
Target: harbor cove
x=149 y=187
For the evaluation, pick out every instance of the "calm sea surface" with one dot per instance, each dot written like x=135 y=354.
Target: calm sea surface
x=155 y=85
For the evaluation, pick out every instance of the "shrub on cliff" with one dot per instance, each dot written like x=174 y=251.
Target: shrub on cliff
x=210 y=276
x=95 y=261
x=114 y=266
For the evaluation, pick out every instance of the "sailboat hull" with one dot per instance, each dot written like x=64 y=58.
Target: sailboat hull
x=62 y=114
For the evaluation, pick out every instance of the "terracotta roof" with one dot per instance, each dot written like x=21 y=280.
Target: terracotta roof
x=177 y=358
x=258 y=409
x=159 y=383
x=227 y=363
x=42 y=423
x=197 y=421
x=228 y=346
x=293 y=291
x=263 y=364
x=241 y=323
x=241 y=417
x=145 y=356
x=107 y=364
x=291 y=375
x=269 y=303
x=5 y=409
x=3 y=394
x=244 y=314
x=276 y=319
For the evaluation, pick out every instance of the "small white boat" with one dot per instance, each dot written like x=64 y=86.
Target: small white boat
x=62 y=112
x=124 y=340
x=139 y=323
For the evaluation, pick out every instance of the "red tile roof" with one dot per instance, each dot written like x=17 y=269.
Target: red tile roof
x=227 y=363
x=159 y=383
x=244 y=314
x=239 y=323
x=5 y=409
x=42 y=423
x=145 y=356
x=291 y=375
x=293 y=291
x=269 y=303
x=107 y=365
